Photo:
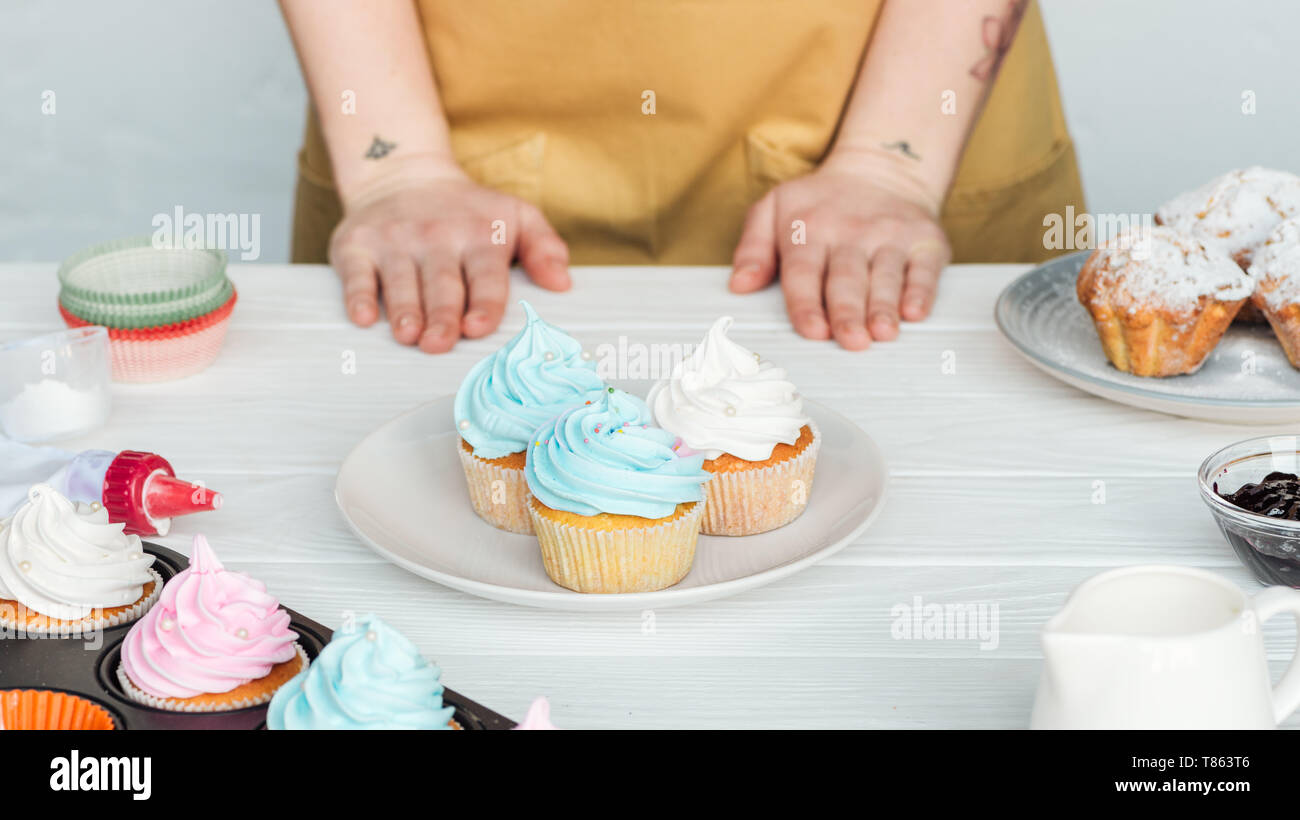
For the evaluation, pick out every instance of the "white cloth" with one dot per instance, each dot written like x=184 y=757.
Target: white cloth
x=79 y=476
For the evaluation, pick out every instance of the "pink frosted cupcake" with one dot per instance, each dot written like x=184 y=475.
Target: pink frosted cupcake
x=538 y=717
x=215 y=641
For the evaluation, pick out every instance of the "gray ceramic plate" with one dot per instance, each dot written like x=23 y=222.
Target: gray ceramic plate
x=1246 y=380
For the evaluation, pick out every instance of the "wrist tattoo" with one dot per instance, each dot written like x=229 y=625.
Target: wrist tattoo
x=380 y=149
x=902 y=147
x=997 y=33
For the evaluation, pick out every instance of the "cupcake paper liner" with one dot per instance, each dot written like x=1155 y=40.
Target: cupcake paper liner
x=166 y=353
x=54 y=627
x=511 y=513
x=181 y=704
x=747 y=502
x=73 y=319
x=633 y=559
x=49 y=709
x=146 y=316
x=135 y=272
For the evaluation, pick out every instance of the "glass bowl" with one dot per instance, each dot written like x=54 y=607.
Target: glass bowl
x=1269 y=547
x=55 y=386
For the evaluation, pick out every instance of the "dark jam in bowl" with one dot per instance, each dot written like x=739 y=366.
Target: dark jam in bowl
x=1276 y=496
x=1272 y=559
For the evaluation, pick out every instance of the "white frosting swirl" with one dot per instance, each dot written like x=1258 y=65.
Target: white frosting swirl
x=64 y=560
x=724 y=399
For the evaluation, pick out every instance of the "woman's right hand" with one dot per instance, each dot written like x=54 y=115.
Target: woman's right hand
x=438 y=247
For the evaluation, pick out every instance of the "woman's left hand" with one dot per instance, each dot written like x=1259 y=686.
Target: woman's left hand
x=857 y=245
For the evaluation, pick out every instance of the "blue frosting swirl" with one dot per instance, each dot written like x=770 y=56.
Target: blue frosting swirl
x=605 y=457
x=536 y=376
x=370 y=677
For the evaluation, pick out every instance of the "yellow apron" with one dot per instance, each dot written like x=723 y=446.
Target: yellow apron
x=644 y=129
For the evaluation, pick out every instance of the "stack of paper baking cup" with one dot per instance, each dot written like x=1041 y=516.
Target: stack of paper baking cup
x=166 y=309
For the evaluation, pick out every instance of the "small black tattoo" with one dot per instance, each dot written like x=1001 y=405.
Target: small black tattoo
x=380 y=149
x=901 y=147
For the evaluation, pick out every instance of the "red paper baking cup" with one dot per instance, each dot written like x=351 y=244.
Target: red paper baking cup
x=48 y=709
x=159 y=354
x=149 y=333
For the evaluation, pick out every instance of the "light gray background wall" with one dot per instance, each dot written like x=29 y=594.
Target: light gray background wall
x=158 y=103
x=199 y=103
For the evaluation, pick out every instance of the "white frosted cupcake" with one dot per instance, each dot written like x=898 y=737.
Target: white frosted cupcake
x=66 y=571
x=747 y=420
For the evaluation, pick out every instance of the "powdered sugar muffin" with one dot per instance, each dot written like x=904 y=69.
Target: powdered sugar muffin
x=1276 y=271
x=1235 y=212
x=1161 y=299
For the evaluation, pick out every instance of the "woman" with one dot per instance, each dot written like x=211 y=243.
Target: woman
x=850 y=149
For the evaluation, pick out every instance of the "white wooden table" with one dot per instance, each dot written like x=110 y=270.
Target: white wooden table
x=995 y=473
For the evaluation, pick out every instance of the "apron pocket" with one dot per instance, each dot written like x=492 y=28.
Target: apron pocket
x=514 y=169
x=1005 y=223
x=769 y=165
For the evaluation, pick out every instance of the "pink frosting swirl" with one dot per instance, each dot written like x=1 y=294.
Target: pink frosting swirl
x=211 y=631
x=538 y=717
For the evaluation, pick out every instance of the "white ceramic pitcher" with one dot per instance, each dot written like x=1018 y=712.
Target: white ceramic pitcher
x=1156 y=647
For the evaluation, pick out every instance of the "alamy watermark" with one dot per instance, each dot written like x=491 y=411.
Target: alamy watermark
x=917 y=620
x=635 y=360
x=1085 y=231
x=90 y=630
x=233 y=233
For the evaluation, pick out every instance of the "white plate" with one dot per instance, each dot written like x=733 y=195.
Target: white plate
x=403 y=492
x=1246 y=379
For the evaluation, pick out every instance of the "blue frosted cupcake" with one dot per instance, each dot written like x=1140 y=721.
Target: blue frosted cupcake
x=369 y=677
x=614 y=507
x=539 y=374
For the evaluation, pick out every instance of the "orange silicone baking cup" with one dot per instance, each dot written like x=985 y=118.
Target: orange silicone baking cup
x=47 y=709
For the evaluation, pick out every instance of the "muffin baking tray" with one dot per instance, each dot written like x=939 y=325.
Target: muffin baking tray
x=71 y=665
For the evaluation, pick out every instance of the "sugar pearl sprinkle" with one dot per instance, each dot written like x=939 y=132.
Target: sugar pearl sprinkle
x=464 y=424
x=241 y=633
x=586 y=355
x=167 y=624
x=548 y=356
x=372 y=635
x=25 y=566
x=729 y=410
x=95 y=506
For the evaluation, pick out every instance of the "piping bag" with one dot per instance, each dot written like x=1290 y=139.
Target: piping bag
x=138 y=489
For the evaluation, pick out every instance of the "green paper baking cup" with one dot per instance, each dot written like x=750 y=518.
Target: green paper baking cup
x=135 y=316
x=134 y=271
